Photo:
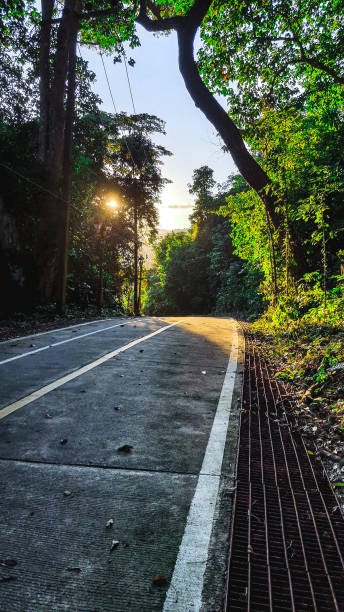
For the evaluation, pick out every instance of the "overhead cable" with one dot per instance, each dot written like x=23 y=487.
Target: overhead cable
x=25 y=178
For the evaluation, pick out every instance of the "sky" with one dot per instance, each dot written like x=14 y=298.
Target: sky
x=158 y=89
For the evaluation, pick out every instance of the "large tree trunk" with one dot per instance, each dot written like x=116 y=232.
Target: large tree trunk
x=58 y=90
x=64 y=216
x=251 y=171
x=51 y=203
x=44 y=77
x=140 y=288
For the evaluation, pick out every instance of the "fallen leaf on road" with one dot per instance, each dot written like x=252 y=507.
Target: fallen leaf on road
x=126 y=448
x=114 y=545
x=66 y=493
x=109 y=524
x=63 y=441
x=310 y=452
x=159 y=581
x=9 y=562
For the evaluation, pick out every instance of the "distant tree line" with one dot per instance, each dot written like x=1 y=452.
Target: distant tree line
x=197 y=271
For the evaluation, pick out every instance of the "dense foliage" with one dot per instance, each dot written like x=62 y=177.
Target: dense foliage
x=274 y=238
x=196 y=271
x=113 y=158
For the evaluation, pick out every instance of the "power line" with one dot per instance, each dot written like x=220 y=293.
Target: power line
x=25 y=178
x=132 y=100
x=112 y=98
x=132 y=97
x=108 y=83
x=129 y=85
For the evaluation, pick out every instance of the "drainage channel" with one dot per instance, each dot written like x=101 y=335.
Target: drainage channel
x=287 y=532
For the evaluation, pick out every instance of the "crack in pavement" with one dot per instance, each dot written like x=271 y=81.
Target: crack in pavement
x=101 y=467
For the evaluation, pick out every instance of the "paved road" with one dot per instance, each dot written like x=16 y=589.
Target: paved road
x=69 y=400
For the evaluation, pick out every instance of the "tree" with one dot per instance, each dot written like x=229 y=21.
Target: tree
x=137 y=160
x=201 y=186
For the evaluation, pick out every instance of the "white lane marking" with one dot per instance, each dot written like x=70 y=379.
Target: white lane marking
x=53 y=331
x=185 y=591
x=64 y=379
x=44 y=348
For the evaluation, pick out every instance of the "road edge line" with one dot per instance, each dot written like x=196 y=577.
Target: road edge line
x=186 y=586
x=47 y=346
x=52 y=331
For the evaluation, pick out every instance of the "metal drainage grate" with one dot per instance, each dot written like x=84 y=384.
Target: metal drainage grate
x=287 y=532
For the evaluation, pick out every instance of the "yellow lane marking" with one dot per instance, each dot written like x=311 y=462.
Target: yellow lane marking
x=64 y=379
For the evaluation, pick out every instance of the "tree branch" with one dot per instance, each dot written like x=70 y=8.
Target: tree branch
x=315 y=63
x=155 y=9
x=89 y=15
x=157 y=25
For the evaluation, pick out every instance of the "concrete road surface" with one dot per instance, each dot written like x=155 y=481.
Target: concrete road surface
x=117 y=451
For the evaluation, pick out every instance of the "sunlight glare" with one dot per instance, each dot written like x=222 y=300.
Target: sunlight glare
x=112 y=203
